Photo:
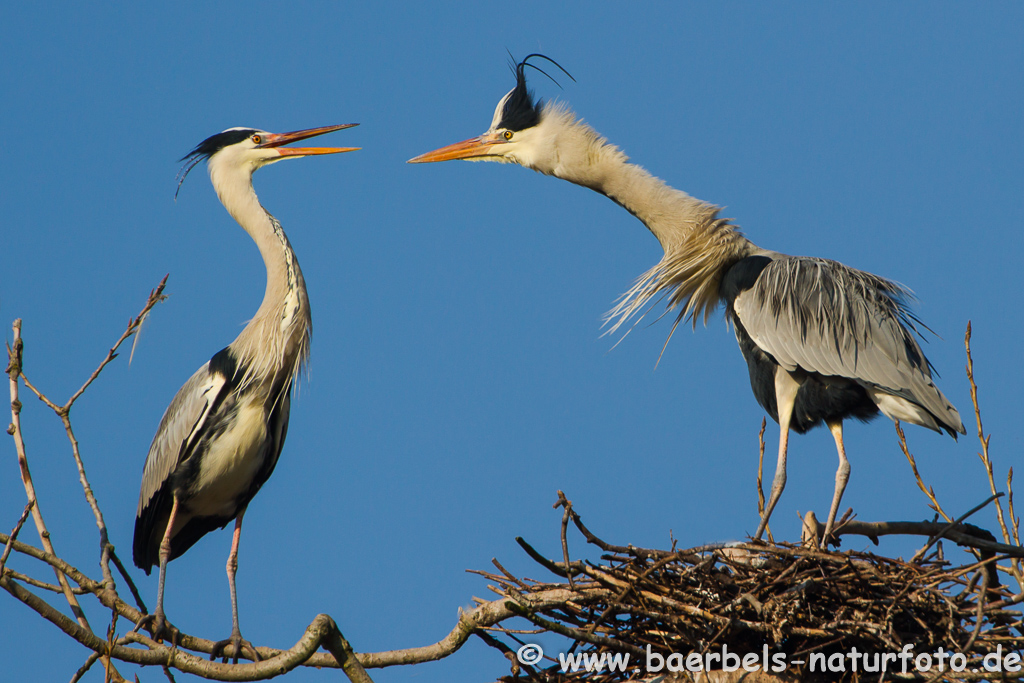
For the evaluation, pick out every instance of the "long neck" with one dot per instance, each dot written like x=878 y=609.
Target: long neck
x=698 y=244
x=277 y=338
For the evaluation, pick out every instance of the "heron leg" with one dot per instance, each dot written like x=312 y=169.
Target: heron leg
x=161 y=629
x=235 y=641
x=786 y=387
x=842 y=476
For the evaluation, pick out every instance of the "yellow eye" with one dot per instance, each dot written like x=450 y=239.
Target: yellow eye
x=507 y=135
x=256 y=139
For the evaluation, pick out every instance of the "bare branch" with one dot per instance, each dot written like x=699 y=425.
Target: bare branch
x=566 y=504
x=128 y=579
x=155 y=297
x=987 y=462
x=84 y=669
x=14 y=535
x=917 y=475
x=339 y=648
x=53 y=588
x=14 y=363
x=939 y=534
x=961 y=534
x=760 y=477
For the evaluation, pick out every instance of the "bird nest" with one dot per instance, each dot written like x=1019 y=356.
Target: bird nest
x=809 y=614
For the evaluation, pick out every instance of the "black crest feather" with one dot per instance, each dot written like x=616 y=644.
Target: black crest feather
x=207 y=148
x=521 y=110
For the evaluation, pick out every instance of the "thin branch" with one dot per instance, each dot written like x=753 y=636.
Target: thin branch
x=506 y=651
x=553 y=567
x=1014 y=519
x=566 y=504
x=760 y=478
x=928 y=491
x=14 y=535
x=49 y=404
x=128 y=580
x=155 y=297
x=620 y=549
x=939 y=534
x=987 y=461
x=978 y=621
x=84 y=669
x=108 y=578
x=59 y=566
x=14 y=364
x=53 y=588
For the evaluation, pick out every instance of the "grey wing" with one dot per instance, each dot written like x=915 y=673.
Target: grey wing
x=182 y=422
x=827 y=318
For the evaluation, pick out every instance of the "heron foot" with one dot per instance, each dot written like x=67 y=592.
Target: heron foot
x=160 y=629
x=829 y=538
x=238 y=646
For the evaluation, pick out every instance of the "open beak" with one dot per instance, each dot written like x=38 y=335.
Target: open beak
x=276 y=140
x=479 y=146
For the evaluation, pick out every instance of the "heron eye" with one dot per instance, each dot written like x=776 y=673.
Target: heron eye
x=256 y=139
x=507 y=135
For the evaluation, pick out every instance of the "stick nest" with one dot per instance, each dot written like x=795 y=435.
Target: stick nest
x=793 y=599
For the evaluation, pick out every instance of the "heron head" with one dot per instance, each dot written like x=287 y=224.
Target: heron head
x=515 y=134
x=247 y=149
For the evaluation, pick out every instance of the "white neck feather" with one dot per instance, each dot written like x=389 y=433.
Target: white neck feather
x=283 y=320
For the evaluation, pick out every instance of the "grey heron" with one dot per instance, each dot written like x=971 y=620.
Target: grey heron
x=221 y=436
x=823 y=342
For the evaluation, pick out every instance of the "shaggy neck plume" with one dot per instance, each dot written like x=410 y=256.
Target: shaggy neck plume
x=698 y=244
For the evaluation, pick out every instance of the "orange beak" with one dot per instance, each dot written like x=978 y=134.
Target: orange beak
x=276 y=140
x=479 y=146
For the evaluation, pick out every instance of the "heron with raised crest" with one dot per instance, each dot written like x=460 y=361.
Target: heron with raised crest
x=823 y=342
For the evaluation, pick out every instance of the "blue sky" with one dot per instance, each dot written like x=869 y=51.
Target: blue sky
x=459 y=375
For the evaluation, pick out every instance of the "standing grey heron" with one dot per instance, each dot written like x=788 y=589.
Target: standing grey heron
x=222 y=434
x=823 y=342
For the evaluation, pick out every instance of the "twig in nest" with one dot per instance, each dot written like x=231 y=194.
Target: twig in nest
x=566 y=504
x=566 y=571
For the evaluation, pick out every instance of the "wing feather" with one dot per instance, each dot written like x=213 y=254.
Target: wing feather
x=183 y=420
x=824 y=317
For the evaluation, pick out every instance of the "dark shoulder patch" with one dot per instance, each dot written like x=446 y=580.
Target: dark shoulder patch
x=225 y=364
x=741 y=276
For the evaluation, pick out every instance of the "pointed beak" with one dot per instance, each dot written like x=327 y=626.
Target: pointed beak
x=473 y=148
x=276 y=140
